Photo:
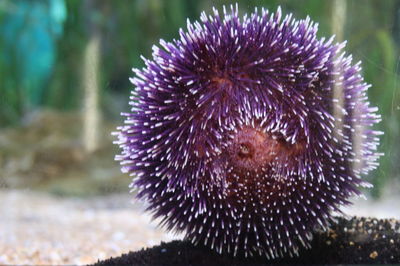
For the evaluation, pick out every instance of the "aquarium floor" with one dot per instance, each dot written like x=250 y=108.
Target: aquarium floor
x=40 y=229
x=358 y=240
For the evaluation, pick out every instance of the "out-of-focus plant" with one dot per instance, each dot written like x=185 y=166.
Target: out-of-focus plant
x=372 y=41
x=29 y=30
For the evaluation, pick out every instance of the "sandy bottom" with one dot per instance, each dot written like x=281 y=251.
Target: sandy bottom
x=43 y=229
x=38 y=228
x=387 y=207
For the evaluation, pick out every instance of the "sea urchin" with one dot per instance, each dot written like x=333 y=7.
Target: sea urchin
x=237 y=137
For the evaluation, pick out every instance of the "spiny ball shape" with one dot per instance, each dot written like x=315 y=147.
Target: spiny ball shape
x=247 y=133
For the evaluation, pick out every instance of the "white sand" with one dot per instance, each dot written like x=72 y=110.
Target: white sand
x=43 y=229
x=37 y=228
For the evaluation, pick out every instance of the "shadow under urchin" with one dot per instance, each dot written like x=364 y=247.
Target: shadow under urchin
x=236 y=138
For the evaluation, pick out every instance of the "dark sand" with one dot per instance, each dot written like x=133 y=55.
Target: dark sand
x=358 y=240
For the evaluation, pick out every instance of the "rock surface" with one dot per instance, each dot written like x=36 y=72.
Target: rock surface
x=45 y=154
x=357 y=240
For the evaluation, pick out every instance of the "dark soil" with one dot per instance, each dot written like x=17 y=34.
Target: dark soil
x=358 y=240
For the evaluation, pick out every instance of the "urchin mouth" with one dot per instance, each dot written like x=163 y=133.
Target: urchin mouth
x=255 y=150
x=245 y=150
x=252 y=149
x=256 y=160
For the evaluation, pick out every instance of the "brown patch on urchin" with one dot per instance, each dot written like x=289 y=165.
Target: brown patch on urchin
x=222 y=82
x=251 y=156
x=253 y=149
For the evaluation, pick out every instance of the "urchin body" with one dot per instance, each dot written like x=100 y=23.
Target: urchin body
x=234 y=136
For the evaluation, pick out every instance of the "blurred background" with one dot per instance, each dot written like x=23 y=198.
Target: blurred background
x=64 y=69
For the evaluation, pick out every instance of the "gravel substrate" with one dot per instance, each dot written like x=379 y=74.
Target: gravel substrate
x=359 y=240
x=39 y=229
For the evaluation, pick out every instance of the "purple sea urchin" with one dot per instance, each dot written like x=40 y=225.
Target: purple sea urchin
x=236 y=138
